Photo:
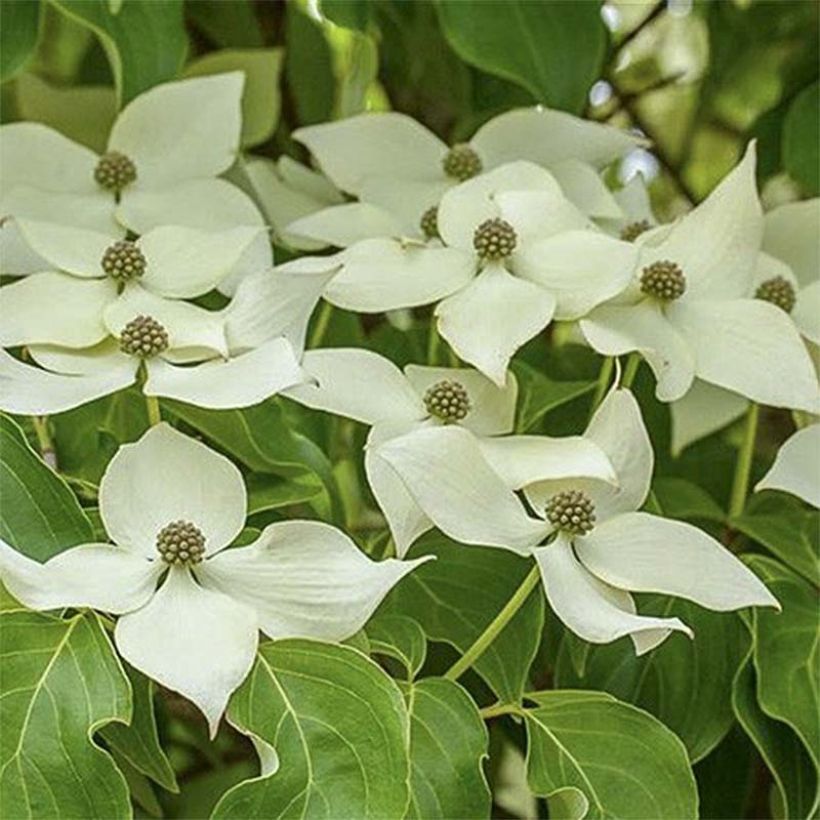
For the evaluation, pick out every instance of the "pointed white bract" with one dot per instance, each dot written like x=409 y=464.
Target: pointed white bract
x=796 y=469
x=192 y=624
x=603 y=547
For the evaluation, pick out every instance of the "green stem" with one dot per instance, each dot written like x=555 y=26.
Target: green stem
x=44 y=440
x=498 y=623
x=432 y=342
x=154 y=415
x=320 y=328
x=499 y=709
x=743 y=465
x=604 y=378
x=631 y=370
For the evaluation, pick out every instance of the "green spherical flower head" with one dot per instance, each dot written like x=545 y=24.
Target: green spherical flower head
x=461 y=162
x=634 y=229
x=494 y=239
x=144 y=337
x=779 y=291
x=571 y=511
x=115 y=171
x=664 y=280
x=181 y=543
x=448 y=401
x=123 y=261
x=429 y=223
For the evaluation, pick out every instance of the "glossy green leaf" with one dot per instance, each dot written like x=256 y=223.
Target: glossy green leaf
x=801 y=148
x=144 y=40
x=532 y=44
x=679 y=498
x=266 y=492
x=229 y=25
x=786 y=527
x=538 y=395
x=19 y=28
x=353 y=14
x=684 y=683
x=138 y=741
x=448 y=742
x=455 y=597
x=41 y=516
x=332 y=731
x=606 y=759
x=261 y=99
x=398 y=637
x=308 y=68
x=60 y=682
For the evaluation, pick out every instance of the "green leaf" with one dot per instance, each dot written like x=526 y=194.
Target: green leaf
x=308 y=68
x=785 y=756
x=261 y=100
x=353 y=14
x=787 y=527
x=448 y=741
x=144 y=40
x=801 y=150
x=684 y=683
x=455 y=597
x=399 y=637
x=538 y=395
x=786 y=651
x=41 y=516
x=605 y=758
x=84 y=114
x=138 y=741
x=267 y=492
x=229 y=25
x=60 y=682
x=339 y=729
x=19 y=29
x=679 y=498
x=532 y=44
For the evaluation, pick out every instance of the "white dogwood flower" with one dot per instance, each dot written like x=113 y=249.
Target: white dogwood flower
x=601 y=546
x=796 y=468
x=234 y=357
x=689 y=313
x=369 y=388
x=392 y=161
x=191 y=608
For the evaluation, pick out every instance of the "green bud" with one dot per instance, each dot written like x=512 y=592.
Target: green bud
x=494 y=239
x=779 y=291
x=634 y=229
x=115 y=171
x=571 y=511
x=664 y=280
x=461 y=162
x=447 y=401
x=144 y=336
x=123 y=261
x=181 y=543
x=429 y=223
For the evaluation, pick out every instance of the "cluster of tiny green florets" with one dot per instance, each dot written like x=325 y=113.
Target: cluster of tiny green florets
x=181 y=543
x=494 y=239
x=448 y=401
x=664 y=280
x=461 y=162
x=123 y=261
x=144 y=336
x=571 y=511
x=630 y=232
x=779 y=291
x=429 y=223
x=115 y=171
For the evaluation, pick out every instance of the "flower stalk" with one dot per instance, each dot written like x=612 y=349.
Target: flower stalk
x=743 y=466
x=154 y=415
x=631 y=370
x=495 y=626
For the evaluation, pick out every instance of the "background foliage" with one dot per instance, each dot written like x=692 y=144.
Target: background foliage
x=727 y=723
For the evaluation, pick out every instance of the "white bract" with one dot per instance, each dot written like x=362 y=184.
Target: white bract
x=364 y=386
x=689 y=313
x=234 y=357
x=190 y=608
x=591 y=544
x=796 y=469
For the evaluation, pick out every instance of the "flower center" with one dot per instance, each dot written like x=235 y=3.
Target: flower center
x=571 y=511
x=115 y=171
x=429 y=223
x=634 y=229
x=779 y=291
x=181 y=543
x=123 y=261
x=494 y=239
x=144 y=337
x=448 y=401
x=664 y=280
x=461 y=162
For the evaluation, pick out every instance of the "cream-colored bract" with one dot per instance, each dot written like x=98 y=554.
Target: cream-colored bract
x=796 y=469
x=468 y=488
x=197 y=632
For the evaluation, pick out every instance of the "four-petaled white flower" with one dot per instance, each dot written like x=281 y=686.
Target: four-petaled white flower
x=689 y=312
x=172 y=507
x=364 y=386
x=602 y=547
x=796 y=468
